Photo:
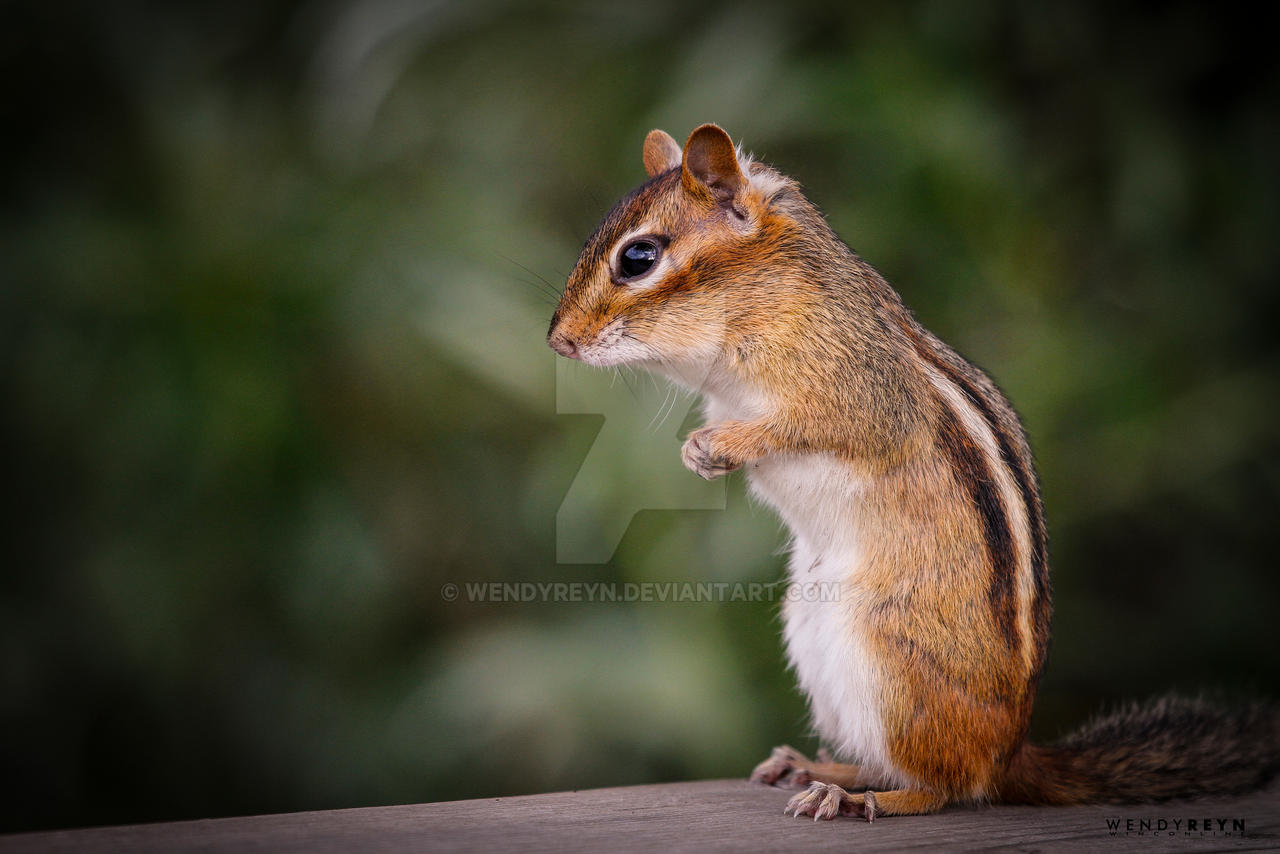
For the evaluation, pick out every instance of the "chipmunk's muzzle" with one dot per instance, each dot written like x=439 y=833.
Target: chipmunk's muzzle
x=564 y=345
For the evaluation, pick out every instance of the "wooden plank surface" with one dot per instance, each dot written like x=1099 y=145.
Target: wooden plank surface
x=715 y=815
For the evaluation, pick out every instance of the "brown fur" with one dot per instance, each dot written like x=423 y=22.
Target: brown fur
x=756 y=291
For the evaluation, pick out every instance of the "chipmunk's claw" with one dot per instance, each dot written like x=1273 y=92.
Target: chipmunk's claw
x=784 y=767
x=699 y=456
x=825 y=801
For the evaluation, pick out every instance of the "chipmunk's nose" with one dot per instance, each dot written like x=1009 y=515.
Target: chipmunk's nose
x=563 y=344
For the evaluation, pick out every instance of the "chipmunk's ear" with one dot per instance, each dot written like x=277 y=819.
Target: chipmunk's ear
x=711 y=164
x=661 y=153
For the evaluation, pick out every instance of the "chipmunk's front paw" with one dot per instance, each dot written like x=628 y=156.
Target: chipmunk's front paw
x=786 y=766
x=703 y=458
x=827 y=800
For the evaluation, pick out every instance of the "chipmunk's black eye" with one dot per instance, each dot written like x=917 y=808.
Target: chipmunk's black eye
x=638 y=258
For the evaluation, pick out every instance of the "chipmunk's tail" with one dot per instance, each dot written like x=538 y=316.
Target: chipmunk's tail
x=1170 y=748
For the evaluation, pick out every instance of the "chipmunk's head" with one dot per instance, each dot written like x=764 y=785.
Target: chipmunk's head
x=673 y=266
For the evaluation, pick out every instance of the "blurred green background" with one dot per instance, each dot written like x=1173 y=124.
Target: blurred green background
x=274 y=372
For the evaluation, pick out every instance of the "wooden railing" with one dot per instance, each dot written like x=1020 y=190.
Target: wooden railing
x=728 y=815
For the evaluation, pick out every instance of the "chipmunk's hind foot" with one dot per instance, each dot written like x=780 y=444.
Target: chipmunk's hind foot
x=827 y=800
x=789 y=768
x=785 y=766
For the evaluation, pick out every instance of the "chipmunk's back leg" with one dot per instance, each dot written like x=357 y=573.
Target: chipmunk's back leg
x=826 y=801
x=787 y=766
x=905 y=802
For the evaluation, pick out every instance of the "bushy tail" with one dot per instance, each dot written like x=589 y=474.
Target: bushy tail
x=1171 y=748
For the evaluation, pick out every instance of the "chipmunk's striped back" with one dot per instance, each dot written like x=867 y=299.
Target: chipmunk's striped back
x=1002 y=483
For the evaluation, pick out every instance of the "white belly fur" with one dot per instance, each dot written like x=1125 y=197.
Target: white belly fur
x=818 y=496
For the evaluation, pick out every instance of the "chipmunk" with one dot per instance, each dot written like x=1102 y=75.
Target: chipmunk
x=906 y=480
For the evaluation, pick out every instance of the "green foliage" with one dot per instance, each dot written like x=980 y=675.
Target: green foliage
x=275 y=291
